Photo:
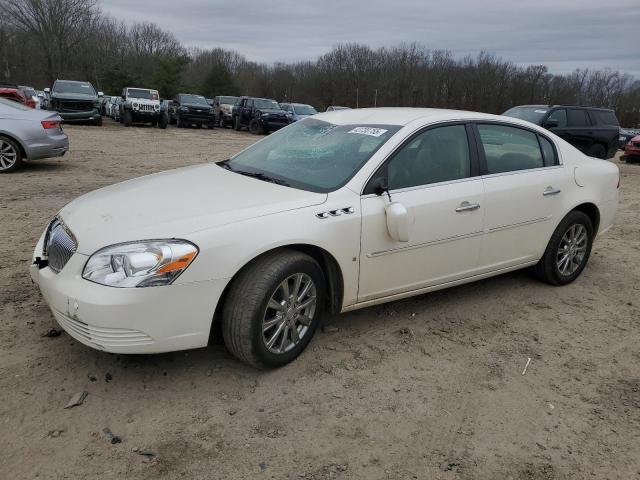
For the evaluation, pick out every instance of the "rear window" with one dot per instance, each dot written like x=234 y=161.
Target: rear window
x=605 y=117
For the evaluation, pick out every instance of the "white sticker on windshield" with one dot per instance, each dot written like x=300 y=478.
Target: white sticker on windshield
x=374 y=132
x=540 y=111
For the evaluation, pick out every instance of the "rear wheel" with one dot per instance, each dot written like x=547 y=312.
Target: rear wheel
x=597 y=150
x=273 y=309
x=10 y=155
x=568 y=250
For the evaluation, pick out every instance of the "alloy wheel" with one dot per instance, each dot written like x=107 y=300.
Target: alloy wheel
x=572 y=249
x=289 y=313
x=8 y=155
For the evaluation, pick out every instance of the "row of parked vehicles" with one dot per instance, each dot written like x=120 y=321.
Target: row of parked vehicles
x=594 y=131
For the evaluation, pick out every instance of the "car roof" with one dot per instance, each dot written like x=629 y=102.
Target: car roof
x=403 y=116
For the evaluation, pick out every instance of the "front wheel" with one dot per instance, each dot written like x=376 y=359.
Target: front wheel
x=273 y=309
x=236 y=124
x=568 y=250
x=128 y=118
x=162 y=122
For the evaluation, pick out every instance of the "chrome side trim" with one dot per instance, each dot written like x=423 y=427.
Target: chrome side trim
x=425 y=244
x=519 y=224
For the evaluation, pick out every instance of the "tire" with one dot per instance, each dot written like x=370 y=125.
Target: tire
x=259 y=285
x=10 y=155
x=210 y=126
x=154 y=123
x=236 y=124
x=255 y=128
x=548 y=268
x=221 y=123
x=127 y=118
x=179 y=123
x=98 y=122
x=597 y=150
x=162 y=123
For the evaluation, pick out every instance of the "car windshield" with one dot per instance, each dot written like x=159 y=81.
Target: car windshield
x=142 y=93
x=533 y=114
x=228 y=100
x=312 y=154
x=264 y=103
x=6 y=104
x=188 y=98
x=305 y=110
x=62 y=86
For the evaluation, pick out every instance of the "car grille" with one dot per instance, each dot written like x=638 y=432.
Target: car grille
x=143 y=107
x=74 y=106
x=59 y=245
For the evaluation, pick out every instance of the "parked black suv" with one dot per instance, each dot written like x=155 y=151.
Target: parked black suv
x=75 y=101
x=594 y=131
x=259 y=115
x=187 y=109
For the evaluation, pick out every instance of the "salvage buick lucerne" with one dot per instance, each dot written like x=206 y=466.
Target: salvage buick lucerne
x=336 y=212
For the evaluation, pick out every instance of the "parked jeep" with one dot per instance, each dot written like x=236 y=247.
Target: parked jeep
x=75 y=101
x=594 y=131
x=187 y=109
x=259 y=115
x=141 y=105
x=223 y=108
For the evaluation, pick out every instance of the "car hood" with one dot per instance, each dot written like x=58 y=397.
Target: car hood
x=272 y=110
x=175 y=203
x=74 y=96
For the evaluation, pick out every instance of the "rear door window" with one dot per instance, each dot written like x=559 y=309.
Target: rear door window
x=509 y=149
x=578 y=118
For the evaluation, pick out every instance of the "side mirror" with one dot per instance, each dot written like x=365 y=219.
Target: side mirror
x=551 y=123
x=397 y=221
x=380 y=186
x=47 y=90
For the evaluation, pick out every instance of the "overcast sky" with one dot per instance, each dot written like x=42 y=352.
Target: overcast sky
x=562 y=34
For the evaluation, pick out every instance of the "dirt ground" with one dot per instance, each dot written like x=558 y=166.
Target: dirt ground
x=427 y=388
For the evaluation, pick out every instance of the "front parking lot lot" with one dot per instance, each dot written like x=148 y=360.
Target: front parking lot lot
x=429 y=387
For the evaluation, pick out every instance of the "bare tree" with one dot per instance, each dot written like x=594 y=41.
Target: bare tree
x=57 y=26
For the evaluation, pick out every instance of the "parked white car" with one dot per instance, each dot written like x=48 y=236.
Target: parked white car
x=333 y=213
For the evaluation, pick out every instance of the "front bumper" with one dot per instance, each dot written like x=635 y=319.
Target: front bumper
x=88 y=116
x=273 y=124
x=631 y=150
x=199 y=119
x=128 y=320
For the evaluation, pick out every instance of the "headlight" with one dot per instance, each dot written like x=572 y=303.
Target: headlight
x=211 y=111
x=156 y=107
x=265 y=115
x=135 y=105
x=140 y=264
x=184 y=109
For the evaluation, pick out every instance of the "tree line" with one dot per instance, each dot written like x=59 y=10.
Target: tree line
x=41 y=40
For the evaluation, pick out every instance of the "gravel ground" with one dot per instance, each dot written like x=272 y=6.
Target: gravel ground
x=429 y=388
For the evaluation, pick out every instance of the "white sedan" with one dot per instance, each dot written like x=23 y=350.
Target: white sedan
x=336 y=212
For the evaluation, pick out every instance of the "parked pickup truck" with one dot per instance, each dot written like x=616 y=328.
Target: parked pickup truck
x=259 y=115
x=594 y=131
x=75 y=101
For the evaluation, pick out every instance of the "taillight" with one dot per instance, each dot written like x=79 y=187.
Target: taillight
x=48 y=124
x=31 y=103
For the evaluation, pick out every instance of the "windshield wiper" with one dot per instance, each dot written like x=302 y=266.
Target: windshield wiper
x=262 y=176
x=259 y=175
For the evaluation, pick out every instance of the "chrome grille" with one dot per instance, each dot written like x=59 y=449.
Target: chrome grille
x=59 y=245
x=143 y=107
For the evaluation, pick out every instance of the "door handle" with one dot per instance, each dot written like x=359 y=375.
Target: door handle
x=551 y=191
x=467 y=207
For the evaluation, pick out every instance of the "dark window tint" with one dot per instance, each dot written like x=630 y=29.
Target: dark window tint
x=548 y=152
x=509 y=149
x=605 y=117
x=559 y=116
x=578 y=118
x=436 y=155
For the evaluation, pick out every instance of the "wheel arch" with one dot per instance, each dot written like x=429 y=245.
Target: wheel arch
x=330 y=267
x=591 y=210
x=13 y=138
